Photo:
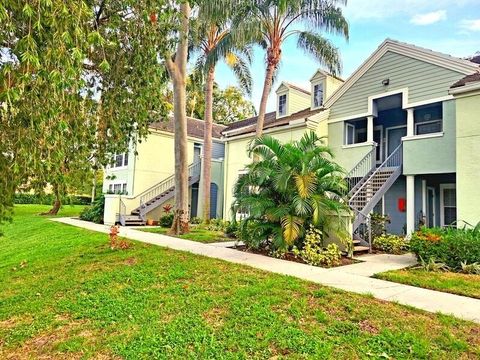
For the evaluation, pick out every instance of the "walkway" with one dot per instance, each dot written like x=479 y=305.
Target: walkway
x=355 y=278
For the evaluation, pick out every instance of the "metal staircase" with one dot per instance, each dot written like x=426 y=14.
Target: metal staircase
x=367 y=190
x=155 y=196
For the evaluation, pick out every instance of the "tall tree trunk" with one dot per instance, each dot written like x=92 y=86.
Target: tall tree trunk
x=207 y=143
x=57 y=203
x=178 y=70
x=267 y=87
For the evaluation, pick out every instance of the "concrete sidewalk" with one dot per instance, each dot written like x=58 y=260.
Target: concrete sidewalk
x=355 y=277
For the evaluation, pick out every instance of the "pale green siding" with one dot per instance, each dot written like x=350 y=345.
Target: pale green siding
x=468 y=158
x=347 y=156
x=433 y=155
x=424 y=81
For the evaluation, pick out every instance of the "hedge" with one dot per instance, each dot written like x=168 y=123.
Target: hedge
x=450 y=246
x=26 y=198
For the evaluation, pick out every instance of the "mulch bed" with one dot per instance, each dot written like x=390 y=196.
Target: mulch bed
x=289 y=256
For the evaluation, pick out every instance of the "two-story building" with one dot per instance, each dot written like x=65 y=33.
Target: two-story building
x=404 y=125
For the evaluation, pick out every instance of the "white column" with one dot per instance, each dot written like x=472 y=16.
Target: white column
x=370 y=129
x=410 y=204
x=410 y=122
x=424 y=200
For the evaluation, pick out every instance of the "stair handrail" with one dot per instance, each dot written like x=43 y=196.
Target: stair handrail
x=395 y=159
x=362 y=168
x=164 y=185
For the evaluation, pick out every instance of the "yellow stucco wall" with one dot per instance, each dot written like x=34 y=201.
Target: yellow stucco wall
x=236 y=159
x=468 y=158
x=154 y=162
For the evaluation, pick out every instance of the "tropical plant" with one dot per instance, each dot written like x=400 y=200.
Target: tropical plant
x=290 y=187
x=391 y=244
x=314 y=252
x=449 y=245
x=207 y=35
x=270 y=22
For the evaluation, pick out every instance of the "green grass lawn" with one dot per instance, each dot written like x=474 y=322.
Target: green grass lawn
x=196 y=234
x=455 y=283
x=65 y=294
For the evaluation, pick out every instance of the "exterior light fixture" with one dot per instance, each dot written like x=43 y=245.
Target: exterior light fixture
x=385 y=82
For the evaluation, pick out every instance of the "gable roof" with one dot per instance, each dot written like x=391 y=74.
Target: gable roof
x=294 y=87
x=249 y=125
x=324 y=73
x=195 y=127
x=452 y=63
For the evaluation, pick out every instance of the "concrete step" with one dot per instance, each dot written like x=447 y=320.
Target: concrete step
x=360 y=248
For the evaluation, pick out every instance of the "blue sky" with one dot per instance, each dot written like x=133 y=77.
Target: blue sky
x=448 y=26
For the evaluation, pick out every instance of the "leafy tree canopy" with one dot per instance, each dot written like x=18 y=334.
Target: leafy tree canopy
x=78 y=79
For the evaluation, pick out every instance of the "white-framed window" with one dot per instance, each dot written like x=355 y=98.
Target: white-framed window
x=349 y=134
x=428 y=119
x=120 y=160
x=118 y=188
x=317 y=95
x=448 y=204
x=355 y=132
x=282 y=105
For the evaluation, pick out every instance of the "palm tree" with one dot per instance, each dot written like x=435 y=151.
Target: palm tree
x=211 y=33
x=270 y=22
x=290 y=187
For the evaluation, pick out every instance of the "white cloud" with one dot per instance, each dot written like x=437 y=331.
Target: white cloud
x=429 y=18
x=470 y=25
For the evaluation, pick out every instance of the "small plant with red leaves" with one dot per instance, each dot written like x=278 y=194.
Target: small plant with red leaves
x=114 y=230
x=167 y=208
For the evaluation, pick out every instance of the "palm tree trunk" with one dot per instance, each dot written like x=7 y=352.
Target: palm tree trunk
x=207 y=143
x=178 y=71
x=267 y=87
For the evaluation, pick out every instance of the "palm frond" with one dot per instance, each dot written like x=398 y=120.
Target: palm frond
x=321 y=49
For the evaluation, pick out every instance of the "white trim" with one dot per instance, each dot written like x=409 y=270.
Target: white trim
x=386 y=136
x=430 y=101
x=424 y=136
x=465 y=88
x=434 y=204
x=405 y=106
x=279 y=116
x=347 y=127
x=379 y=127
x=402 y=91
x=358 y=145
x=449 y=62
x=442 y=205
x=410 y=215
x=267 y=131
x=424 y=200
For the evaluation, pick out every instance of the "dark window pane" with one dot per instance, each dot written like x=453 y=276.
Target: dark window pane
x=450 y=215
x=318 y=95
x=119 y=160
x=282 y=104
x=429 y=127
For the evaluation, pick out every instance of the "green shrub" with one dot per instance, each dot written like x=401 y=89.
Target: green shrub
x=195 y=220
x=253 y=233
x=94 y=212
x=379 y=223
x=166 y=220
x=450 y=246
x=48 y=199
x=217 y=225
x=314 y=253
x=391 y=244
x=231 y=229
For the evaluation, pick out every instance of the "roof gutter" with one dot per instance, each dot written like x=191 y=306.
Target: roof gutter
x=465 y=88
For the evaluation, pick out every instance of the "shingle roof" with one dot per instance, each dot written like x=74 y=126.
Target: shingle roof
x=475 y=77
x=195 y=127
x=249 y=125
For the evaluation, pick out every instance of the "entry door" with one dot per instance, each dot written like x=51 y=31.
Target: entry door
x=430 y=207
x=394 y=138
